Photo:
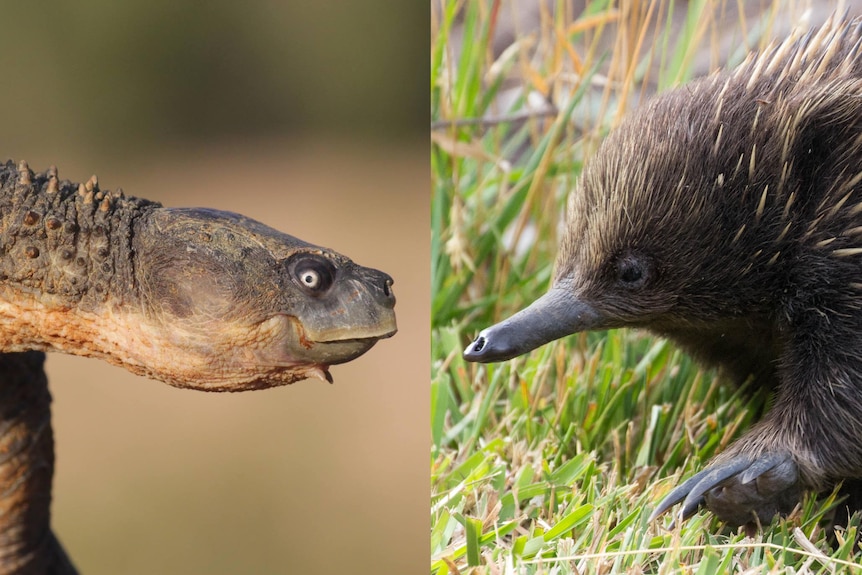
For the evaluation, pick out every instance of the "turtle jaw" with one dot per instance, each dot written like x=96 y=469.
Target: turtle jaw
x=345 y=347
x=348 y=349
x=317 y=358
x=340 y=345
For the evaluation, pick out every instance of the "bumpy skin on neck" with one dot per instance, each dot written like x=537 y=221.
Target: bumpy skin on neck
x=67 y=244
x=197 y=298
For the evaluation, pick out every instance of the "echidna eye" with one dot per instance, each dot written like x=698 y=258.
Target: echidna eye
x=630 y=271
x=314 y=274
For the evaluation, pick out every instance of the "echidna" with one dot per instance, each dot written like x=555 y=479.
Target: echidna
x=726 y=215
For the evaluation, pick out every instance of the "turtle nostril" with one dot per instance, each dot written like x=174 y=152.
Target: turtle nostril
x=387 y=284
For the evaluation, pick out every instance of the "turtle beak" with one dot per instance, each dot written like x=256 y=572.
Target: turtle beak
x=556 y=314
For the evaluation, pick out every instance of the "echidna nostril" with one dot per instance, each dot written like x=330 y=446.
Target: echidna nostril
x=478 y=344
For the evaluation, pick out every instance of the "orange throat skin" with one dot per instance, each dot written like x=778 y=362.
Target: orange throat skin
x=232 y=358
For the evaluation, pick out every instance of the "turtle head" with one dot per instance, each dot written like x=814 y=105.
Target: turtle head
x=231 y=304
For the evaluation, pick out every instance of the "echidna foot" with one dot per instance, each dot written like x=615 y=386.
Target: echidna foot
x=739 y=490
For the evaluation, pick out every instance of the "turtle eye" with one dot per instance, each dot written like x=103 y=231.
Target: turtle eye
x=310 y=279
x=313 y=274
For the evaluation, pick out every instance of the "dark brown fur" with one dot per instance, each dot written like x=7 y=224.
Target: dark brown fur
x=740 y=197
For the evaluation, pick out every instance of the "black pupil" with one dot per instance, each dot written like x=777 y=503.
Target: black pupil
x=630 y=272
x=310 y=279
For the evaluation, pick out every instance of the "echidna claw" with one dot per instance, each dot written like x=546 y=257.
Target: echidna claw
x=738 y=490
x=692 y=490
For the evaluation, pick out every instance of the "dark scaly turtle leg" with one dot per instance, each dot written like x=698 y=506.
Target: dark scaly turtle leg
x=27 y=544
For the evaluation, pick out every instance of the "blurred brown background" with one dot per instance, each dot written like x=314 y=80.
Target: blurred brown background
x=311 y=117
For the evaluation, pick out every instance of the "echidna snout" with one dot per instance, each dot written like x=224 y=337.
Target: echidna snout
x=556 y=314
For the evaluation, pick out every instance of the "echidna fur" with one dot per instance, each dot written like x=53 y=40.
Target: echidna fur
x=726 y=215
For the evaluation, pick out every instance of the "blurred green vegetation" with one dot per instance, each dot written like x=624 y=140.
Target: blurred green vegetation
x=127 y=76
